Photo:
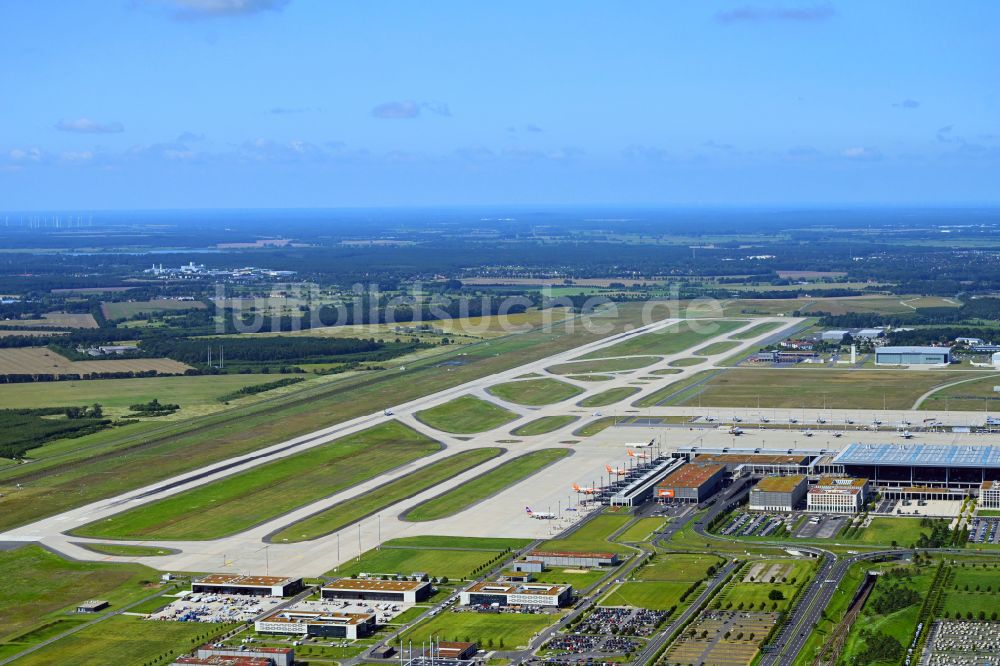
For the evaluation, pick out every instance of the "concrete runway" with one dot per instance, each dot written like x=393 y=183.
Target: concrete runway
x=502 y=515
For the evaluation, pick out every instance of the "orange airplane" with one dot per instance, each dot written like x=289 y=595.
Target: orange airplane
x=620 y=471
x=587 y=489
x=640 y=456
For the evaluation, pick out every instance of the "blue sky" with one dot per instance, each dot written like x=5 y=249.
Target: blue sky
x=312 y=103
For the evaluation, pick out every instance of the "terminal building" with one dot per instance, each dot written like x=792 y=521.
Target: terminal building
x=907 y=465
x=311 y=623
x=913 y=356
x=837 y=495
x=691 y=482
x=371 y=589
x=778 y=493
x=741 y=464
x=259 y=586
x=567 y=558
x=516 y=594
x=989 y=495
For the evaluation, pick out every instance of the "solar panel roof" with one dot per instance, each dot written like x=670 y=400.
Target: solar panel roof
x=920 y=455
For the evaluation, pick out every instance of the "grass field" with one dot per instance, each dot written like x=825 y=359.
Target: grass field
x=593 y=427
x=490 y=483
x=670 y=340
x=535 y=392
x=686 y=362
x=976 y=394
x=238 y=502
x=590 y=378
x=488 y=629
x=720 y=347
x=41 y=360
x=39 y=586
x=676 y=391
x=354 y=509
x=641 y=530
x=391 y=559
x=466 y=415
x=608 y=365
x=127 y=309
x=741 y=595
x=124 y=640
x=544 y=425
x=609 y=397
x=754 y=331
x=470 y=543
x=884 y=531
x=972 y=588
x=56 y=320
x=114 y=461
x=678 y=567
x=836 y=389
x=125 y=550
x=195 y=395
x=592 y=536
x=651 y=595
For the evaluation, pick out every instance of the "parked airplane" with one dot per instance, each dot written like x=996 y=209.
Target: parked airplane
x=619 y=471
x=539 y=515
x=587 y=490
x=736 y=430
x=906 y=434
x=808 y=433
x=640 y=456
x=640 y=445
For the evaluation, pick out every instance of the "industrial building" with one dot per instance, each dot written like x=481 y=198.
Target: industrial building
x=921 y=465
x=260 y=586
x=833 y=336
x=869 y=333
x=371 y=589
x=691 y=483
x=564 y=558
x=312 y=623
x=459 y=650
x=92 y=606
x=220 y=655
x=778 y=493
x=913 y=356
x=486 y=593
x=528 y=566
x=989 y=495
x=837 y=495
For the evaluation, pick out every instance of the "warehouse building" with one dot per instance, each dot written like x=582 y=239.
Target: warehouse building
x=778 y=493
x=371 y=589
x=459 y=650
x=921 y=465
x=691 y=483
x=989 y=495
x=312 y=623
x=486 y=593
x=837 y=495
x=92 y=606
x=568 y=558
x=913 y=356
x=220 y=655
x=259 y=586
x=833 y=336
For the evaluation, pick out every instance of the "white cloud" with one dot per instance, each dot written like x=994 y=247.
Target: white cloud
x=88 y=126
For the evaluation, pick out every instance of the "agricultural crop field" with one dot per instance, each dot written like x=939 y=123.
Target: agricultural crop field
x=41 y=361
x=56 y=320
x=240 y=501
x=670 y=340
x=482 y=487
x=506 y=630
x=349 y=511
x=544 y=425
x=814 y=388
x=466 y=415
x=113 y=311
x=605 y=365
x=609 y=397
x=535 y=392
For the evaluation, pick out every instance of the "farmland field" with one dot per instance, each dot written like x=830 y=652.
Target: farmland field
x=238 y=502
x=670 y=340
x=466 y=415
x=349 y=511
x=41 y=360
x=127 y=309
x=56 y=320
x=490 y=483
x=535 y=391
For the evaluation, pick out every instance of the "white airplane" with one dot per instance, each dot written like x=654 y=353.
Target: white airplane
x=640 y=456
x=539 y=515
x=710 y=419
x=620 y=471
x=764 y=419
x=737 y=419
x=876 y=422
x=793 y=420
x=849 y=421
x=387 y=412
x=837 y=434
x=640 y=445
x=808 y=433
x=736 y=430
x=906 y=434
x=820 y=420
x=587 y=490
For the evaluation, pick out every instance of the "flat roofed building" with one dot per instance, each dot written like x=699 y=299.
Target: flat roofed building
x=455 y=650
x=529 y=565
x=902 y=465
x=516 y=594
x=224 y=656
x=837 y=495
x=913 y=355
x=261 y=586
x=989 y=495
x=91 y=606
x=314 y=623
x=569 y=558
x=691 y=482
x=757 y=463
x=832 y=336
x=372 y=589
x=778 y=493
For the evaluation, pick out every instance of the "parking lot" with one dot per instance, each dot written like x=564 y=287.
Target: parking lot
x=215 y=608
x=757 y=524
x=984 y=530
x=956 y=643
x=620 y=620
x=821 y=527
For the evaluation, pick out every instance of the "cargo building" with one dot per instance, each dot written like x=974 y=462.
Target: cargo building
x=691 y=483
x=258 y=586
x=568 y=558
x=778 y=493
x=372 y=589
x=486 y=593
x=311 y=623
